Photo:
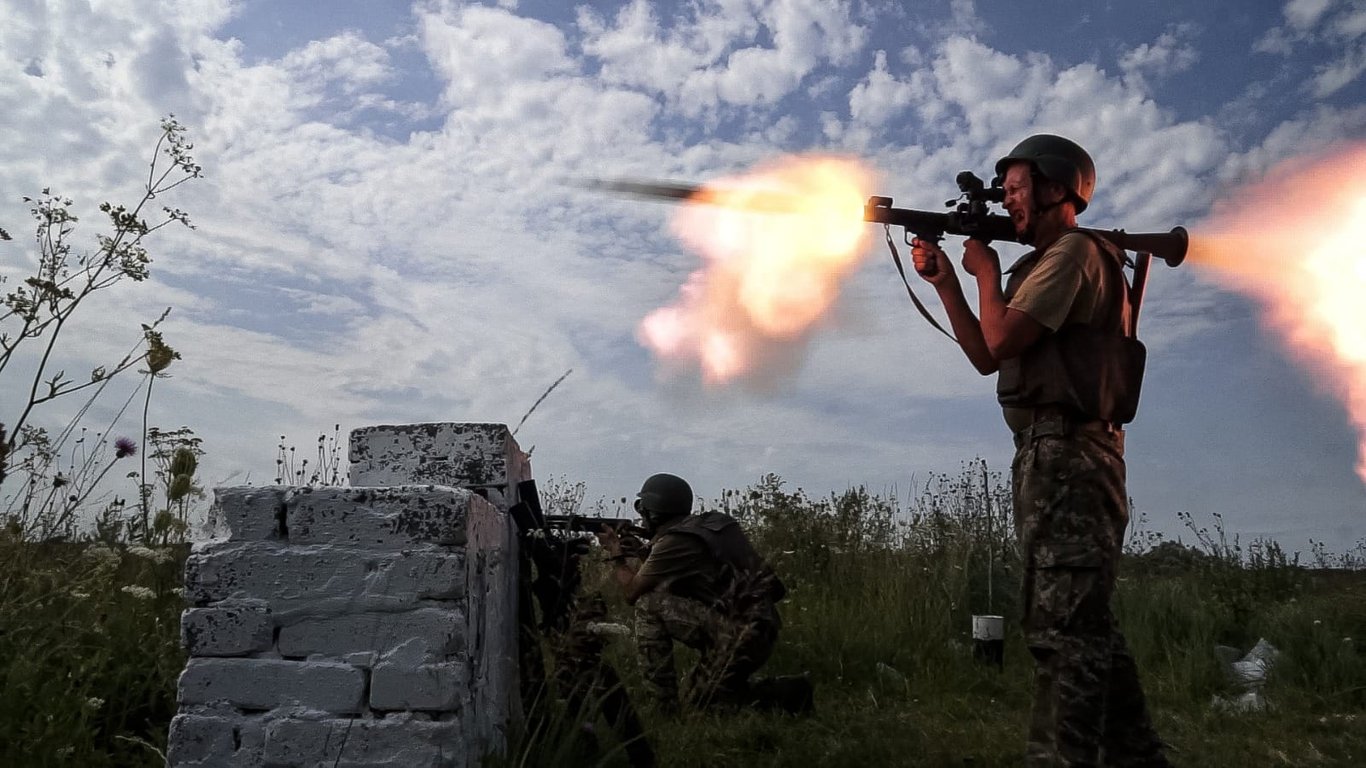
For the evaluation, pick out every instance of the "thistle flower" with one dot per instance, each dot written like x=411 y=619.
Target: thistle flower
x=124 y=446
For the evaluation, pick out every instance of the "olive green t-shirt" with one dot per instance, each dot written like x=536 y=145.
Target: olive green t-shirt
x=1071 y=282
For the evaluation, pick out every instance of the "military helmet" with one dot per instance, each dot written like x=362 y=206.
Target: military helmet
x=1056 y=159
x=664 y=496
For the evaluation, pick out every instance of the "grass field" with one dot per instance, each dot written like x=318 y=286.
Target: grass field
x=882 y=592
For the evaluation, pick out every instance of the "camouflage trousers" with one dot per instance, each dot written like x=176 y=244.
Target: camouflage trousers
x=730 y=648
x=1071 y=509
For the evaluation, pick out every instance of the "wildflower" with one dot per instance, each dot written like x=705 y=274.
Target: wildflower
x=140 y=592
x=94 y=702
x=80 y=595
x=151 y=553
x=124 y=446
x=138 y=550
x=104 y=558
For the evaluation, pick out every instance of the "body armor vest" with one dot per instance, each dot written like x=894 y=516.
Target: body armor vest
x=1092 y=369
x=727 y=543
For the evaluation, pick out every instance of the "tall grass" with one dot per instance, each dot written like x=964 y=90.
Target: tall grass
x=89 y=652
x=882 y=591
x=881 y=594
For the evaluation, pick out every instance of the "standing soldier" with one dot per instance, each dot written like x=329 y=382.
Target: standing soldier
x=702 y=585
x=1060 y=337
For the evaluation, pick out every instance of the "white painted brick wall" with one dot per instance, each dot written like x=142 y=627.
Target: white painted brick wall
x=337 y=626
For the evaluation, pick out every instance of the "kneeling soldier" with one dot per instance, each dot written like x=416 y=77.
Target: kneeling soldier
x=702 y=585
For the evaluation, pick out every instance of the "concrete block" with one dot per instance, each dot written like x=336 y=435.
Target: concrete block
x=393 y=741
x=262 y=684
x=249 y=512
x=441 y=629
x=460 y=455
x=442 y=687
x=378 y=518
x=323 y=580
x=491 y=559
x=230 y=628
x=195 y=737
x=206 y=738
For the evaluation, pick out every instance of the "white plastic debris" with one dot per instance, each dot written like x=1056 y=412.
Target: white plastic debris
x=1249 y=673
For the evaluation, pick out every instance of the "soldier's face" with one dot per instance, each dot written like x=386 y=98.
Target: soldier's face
x=646 y=522
x=1019 y=200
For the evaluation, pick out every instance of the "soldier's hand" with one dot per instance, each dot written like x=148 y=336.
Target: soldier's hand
x=931 y=263
x=980 y=260
x=608 y=538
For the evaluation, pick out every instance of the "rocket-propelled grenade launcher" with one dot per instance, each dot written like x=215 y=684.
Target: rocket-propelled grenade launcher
x=969 y=217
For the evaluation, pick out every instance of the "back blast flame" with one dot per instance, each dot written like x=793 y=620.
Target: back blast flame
x=1295 y=240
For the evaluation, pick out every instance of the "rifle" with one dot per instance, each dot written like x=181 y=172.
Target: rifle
x=582 y=524
x=549 y=573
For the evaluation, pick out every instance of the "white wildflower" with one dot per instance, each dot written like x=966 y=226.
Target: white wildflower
x=103 y=557
x=162 y=555
x=146 y=553
x=80 y=595
x=140 y=592
x=94 y=702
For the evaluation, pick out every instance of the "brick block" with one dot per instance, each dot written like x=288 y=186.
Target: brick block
x=230 y=628
x=378 y=518
x=261 y=684
x=323 y=579
x=396 y=742
x=216 y=737
x=460 y=455
x=195 y=737
x=440 y=687
x=250 y=513
x=441 y=629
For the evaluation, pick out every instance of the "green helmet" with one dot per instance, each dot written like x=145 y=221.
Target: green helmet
x=1056 y=159
x=664 y=496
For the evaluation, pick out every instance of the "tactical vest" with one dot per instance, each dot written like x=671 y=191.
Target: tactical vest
x=1092 y=369
x=729 y=546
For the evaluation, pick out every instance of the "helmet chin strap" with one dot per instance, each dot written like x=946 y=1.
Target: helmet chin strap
x=1036 y=212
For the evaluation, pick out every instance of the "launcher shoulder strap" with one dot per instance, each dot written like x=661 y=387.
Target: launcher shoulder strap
x=901 y=269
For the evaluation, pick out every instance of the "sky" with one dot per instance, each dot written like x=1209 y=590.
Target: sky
x=384 y=232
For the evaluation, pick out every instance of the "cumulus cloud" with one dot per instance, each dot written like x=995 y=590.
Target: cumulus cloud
x=713 y=56
x=1173 y=51
x=1324 y=25
x=444 y=270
